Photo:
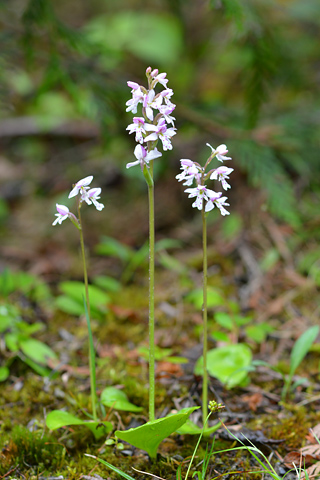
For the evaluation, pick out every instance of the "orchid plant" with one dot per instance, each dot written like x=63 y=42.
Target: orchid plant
x=90 y=196
x=151 y=127
x=206 y=200
x=156 y=123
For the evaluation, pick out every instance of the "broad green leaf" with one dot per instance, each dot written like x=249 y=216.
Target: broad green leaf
x=229 y=364
x=36 y=350
x=76 y=290
x=58 y=418
x=117 y=399
x=302 y=347
x=4 y=373
x=149 y=436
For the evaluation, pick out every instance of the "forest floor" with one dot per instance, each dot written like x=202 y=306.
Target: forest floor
x=262 y=271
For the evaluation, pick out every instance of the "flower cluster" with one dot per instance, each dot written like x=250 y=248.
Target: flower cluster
x=87 y=194
x=156 y=118
x=192 y=171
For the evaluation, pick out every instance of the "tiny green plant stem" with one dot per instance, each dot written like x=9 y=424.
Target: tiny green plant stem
x=92 y=365
x=198 y=442
x=83 y=255
x=148 y=176
x=205 y=318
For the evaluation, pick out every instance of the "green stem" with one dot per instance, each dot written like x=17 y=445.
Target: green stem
x=151 y=304
x=205 y=318
x=196 y=448
x=87 y=311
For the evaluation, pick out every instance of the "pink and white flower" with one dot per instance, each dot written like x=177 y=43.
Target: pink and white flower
x=143 y=157
x=160 y=78
x=138 y=127
x=166 y=111
x=91 y=197
x=151 y=101
x=201 y=193
x=189 y=172
x=137 y=97
x=81 y=186
x=218 y=201
x=162 y=132
x=222 y=173
x=220 y=152
x=63 y=214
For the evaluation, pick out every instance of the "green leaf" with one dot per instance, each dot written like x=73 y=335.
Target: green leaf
x=58 y=418
x=113 y=248
x=107 y=283
x=149 y=436
x=229 y=364
x=190 y=428
x=115 y=469
x=259 y=332
x=224 y=320
x=68 y=305
x=4 y=373
x=37 y=351
x=302 y=347
x=117 y=399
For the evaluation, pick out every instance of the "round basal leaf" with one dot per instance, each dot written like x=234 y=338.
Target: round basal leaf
x=4 y=373
x=114 y=398
x=37 y=351
x=149 y=436
x=59 y=418
x=228 y=364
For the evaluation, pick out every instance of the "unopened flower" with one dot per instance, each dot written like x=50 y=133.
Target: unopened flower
x=138 y=127
x=220 y=152
x=222 y=173
x=81 y=186
x=143 y=157
x=189 y=172
x=162 y=132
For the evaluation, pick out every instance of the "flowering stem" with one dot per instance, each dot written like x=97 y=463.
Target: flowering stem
x=87 y=311
x=205 y=317
x=151 y=304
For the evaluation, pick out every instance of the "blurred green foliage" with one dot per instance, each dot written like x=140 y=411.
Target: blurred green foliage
x=244 y=73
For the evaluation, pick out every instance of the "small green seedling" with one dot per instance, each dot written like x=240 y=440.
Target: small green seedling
x=17 y=335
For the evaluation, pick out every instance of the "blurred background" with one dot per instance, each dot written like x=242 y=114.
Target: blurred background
x=244 y=73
